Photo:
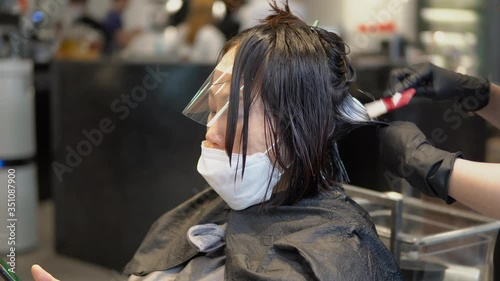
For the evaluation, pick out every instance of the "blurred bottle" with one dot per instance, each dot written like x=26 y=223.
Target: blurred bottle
x=17 y=152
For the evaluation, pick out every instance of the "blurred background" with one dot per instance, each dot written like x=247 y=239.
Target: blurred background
x=91 y=94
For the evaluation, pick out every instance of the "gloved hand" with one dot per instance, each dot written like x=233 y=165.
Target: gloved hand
x=441 y=84
x=406 y=153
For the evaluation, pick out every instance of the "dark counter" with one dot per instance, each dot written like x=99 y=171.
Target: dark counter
x=121 y=164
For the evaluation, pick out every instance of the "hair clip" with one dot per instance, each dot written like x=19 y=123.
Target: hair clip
x=315 y=24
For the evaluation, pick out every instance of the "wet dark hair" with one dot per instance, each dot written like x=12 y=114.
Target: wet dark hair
x=302 y=74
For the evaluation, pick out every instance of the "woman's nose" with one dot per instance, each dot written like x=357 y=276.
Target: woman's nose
x=214 y=137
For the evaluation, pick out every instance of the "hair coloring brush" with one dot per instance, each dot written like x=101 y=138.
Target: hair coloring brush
x=353 y=110
x=379 y=107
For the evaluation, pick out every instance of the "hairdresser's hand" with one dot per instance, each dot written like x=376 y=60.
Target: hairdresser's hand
x=39 y=274
x=441 y=84
x=406 y=153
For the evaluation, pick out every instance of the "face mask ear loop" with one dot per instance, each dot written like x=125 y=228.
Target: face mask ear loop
x=277 y=141
x=275 y=169
x=267 y=151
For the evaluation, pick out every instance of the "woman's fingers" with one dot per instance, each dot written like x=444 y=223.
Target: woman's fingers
x=39 y=274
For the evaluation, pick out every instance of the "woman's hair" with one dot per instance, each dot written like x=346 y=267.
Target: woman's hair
x=302 y=74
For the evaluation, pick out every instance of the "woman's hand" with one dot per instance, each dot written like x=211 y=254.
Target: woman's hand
x=39 y=274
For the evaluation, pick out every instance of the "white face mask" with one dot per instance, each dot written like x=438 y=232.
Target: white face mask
x=238 y=193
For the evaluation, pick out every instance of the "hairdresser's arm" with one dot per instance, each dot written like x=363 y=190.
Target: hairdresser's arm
x=406 y=153
x=491 y=112
x=476 y=185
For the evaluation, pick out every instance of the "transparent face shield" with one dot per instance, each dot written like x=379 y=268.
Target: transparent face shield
x=212 y=100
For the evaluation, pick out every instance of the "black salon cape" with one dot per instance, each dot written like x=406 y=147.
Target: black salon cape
x=328 y=237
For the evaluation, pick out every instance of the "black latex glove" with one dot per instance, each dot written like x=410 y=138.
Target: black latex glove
x=406 y=153
x=441 y=84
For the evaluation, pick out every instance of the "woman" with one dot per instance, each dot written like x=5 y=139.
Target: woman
x=276 y=209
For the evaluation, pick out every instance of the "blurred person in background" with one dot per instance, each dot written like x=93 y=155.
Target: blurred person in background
x=195 y=40
x=230 y=23
x=116 y=36
x=74 y=10
x=198 y=39
x=79 y=35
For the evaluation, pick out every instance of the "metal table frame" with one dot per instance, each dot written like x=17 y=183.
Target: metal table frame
x=395 y=201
